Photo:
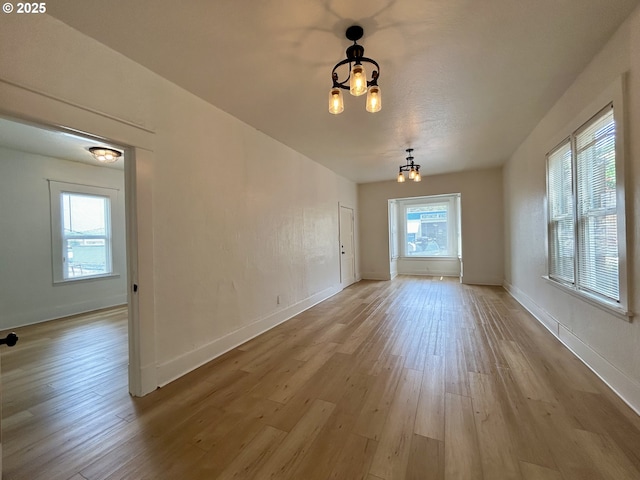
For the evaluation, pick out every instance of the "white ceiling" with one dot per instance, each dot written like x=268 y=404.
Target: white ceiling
x=72 y=146
x=463 y=82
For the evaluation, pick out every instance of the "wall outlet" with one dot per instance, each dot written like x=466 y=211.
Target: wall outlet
x=278 y=300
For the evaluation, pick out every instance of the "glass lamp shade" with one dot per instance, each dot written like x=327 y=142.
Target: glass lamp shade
x=105 y=155
x=418 y=177
x=401 y=177
x=336 y=101
x=374 y=99
x=412 y=174
x=358 y=81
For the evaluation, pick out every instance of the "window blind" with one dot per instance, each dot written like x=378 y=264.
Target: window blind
x=561 y=214
x=596 y=206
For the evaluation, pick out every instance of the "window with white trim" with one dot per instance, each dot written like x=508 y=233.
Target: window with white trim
x=81 y=230
x=429 y=226
x=585 y=194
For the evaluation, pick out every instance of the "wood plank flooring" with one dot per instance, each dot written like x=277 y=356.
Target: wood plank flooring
x=417 y=378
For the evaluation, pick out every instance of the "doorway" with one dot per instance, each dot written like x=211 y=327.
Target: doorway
x=37 y=108
x=347 y=247
x=64 y=245
x=54 y=270
x=64 y=253
x=65 y=234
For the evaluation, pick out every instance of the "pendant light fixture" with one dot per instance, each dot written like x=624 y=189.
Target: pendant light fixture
x=105 y=155
x=356 y=82
x=412 y=168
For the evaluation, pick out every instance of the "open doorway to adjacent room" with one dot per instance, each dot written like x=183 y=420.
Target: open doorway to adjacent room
x=63 y=251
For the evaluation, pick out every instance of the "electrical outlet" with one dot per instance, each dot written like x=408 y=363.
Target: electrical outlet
x=278 y=300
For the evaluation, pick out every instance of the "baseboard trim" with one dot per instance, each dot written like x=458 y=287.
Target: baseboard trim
x=429 y=274
x=183 y=364
x=491 y=282
x=376 y=276
x=60 y=311
x=146 y=382
x=626 y=388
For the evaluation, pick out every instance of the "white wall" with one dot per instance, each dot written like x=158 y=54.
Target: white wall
x=610 y=345
x=482 y=228
x=28 y=294
x=236 y=218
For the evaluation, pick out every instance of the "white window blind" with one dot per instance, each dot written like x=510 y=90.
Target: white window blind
x=561 y=214
x=596 y=206
x=584 y=216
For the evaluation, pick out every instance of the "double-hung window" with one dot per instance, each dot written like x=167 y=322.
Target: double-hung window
x=586 y=238
x=430 y=226
x=81 y=231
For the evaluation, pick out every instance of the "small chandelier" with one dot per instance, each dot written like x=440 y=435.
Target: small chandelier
x=412 y=168
x=356 y=82
x=105 y=155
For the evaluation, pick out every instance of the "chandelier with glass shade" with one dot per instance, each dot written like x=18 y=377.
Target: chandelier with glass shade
x=412 y=168
x=356 y=81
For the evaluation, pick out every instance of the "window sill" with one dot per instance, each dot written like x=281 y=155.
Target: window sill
x=426 y=257
x=86 y=279
x=608 y=307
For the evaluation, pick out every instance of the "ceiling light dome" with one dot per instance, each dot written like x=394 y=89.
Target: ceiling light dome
x=105 y=155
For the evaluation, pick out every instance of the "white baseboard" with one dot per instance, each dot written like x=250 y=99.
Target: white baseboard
x=59 y=311
x=376 y=276
x=148 y=379
x=623 y=386
x=428 y=274
x=144 y=382
x=183 y=364
x=493 y=282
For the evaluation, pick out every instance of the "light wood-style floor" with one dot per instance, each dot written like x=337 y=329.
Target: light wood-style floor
x=418 y=378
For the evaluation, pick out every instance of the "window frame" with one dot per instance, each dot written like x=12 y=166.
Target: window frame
x=453 y=224
x=58 y=256
x=552 y=220
x=393 y=230
x=612 y=97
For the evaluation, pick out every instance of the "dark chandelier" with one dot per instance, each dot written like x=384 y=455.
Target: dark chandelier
x=356 y=82
x=412 y=168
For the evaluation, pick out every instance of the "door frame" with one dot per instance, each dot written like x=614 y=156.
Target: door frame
x=51 y=112
x=353 y=246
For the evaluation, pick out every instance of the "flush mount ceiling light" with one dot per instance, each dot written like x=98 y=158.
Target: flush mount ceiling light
x=105 y=155
x=356 y=81
x=412 y=168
